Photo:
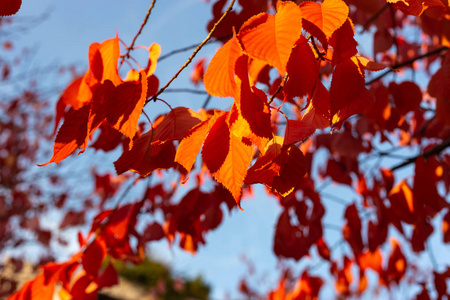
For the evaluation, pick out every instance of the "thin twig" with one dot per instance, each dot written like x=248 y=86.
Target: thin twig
x=282 y=83
x=187 y=48
x=139 y=32
x=406 y=63
x=186 y=90
x=206 y=101
x=436 y=150
x=154 y=97
x=374 y=17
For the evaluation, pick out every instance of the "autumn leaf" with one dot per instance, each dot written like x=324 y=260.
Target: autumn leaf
x=281 y=168
x=346 y=86
x=343 y=43
x=72 y=135
x=317 y=113
x=252 y=102
x=297 y=131
x=124 y=105
x=271 y=38
x=76 y=95
x=191 y=144
x=328 y=16
x=140 y=159
x=407 y=96
x=9 y=7
x=219 y=77
x=303 y=70
x=232 y=172
x=103 y=59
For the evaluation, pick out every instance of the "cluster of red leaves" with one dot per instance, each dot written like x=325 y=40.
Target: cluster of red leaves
x=241 y=147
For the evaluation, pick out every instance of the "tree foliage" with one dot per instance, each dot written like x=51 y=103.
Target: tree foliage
x=299 y=85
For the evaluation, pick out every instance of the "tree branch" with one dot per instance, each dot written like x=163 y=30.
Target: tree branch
x=406 y=63
x=194 y=53
x=436 y=150
x=139 y=32
x=374 y=17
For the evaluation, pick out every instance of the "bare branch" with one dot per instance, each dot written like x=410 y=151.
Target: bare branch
x=139 y=32
x=436 y=150
x=194 y=53
x=407 y=63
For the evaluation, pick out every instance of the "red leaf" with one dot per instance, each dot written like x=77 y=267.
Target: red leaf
x=407 y=96
x=297 y=131
x=252 y=103
x=108 y=278
x=72 y=218
x=93 y=258
x=217 y=144
x=125 y=103
x=303 y=70
x=153 y=232
x=140 y=159
x=72 y=134
x=343 y=43
x=346 y=86
x=280 y=168
x=9 y=7
x=318 y=111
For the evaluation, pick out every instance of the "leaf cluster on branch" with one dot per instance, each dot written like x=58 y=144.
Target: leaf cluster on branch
x=300 y=88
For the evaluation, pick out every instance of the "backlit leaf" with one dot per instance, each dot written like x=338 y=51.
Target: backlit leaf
x=233 y=170
x=219 y=77
x=124 y=105
x=328 y=16
x=271 y=38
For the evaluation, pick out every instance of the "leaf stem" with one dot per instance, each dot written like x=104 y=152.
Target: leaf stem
x=199 y=47
x=282 y=83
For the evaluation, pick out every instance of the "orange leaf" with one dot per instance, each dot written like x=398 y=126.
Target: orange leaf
x=72 y=135
x=328 y=16
x=233 y=170
x=303 y=70
x=35 y=289
x=124 y=105
x=191 y=144
x=370 y=65
x=252 y=103
x=77 y=94
x=271 y=38
x=9 y=7
x=153 y=54
x=219 y=77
